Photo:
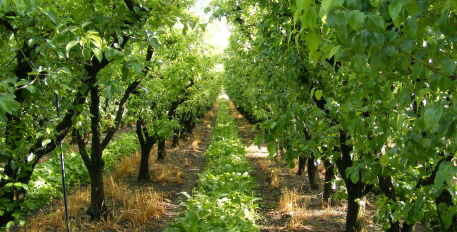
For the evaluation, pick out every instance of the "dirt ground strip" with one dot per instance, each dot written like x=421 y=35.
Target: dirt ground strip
x=184 y=162
x=274 y=179
x=189 y=157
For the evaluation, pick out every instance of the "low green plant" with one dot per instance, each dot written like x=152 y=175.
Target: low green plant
x=223 y=199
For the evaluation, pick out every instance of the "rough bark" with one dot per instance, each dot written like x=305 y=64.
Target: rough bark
x=301 y=165
x=313 y=173
x=175 y=139
x=329 y=176
x=146 y=143
x=356 y=211
x=161 y=150
x=356 y=191
x=97 y=208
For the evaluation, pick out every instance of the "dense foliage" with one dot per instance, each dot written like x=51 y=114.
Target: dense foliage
x=366 y=85
x=91 y=57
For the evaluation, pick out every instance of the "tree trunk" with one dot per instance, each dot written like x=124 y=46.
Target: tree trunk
x=161 y=150
x=356 y=191
x=97 y=207
x=313 y=174
x=356 y=211
x=329 y=176
x=387 y=188
x=301 y=165
x=407 y=227
x=175 y=139
x=143 y=173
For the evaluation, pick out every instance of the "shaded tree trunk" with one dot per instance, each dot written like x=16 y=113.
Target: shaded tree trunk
x=313 y=173
x=329 y=176
x=97 y=207
x=356 y=211
x=356 y=191
x=175 y=139
x=301 y=165
x=161 y=150
x=146 y=144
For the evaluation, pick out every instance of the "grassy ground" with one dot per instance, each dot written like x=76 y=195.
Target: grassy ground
x=133 y=206
x=287 y=202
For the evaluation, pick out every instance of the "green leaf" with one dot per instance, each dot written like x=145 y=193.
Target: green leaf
x=45 y=142
x=356 y=19
x=137 y=66
x=447 y=67
x=376 y=23
x=377 y=39
x=333 y=51
x=109 y=91
x=318 y=94
x=439 y=179
x=394 y=9
x=18 y=185
x=184 y=30
x=311 y=17
x=355 y=176
x=31 y=88
x=96 y=40
x=52 y=15
x=401 y=119
x=259 y=138
x=20 y=6
x=384 y=160
x=303 y=4
x=312 y=40
x=125 y=73
x=271 y=148
x=33 y=4
x=431 y=116
x=426 y=143
x=154 y=42
x=5 y=104
x=192 y=24
x=366 y=176
x=70 y=45
x=445 y=25
x=98 y=54
x=6 y=4
x=360 y=42
x=272 y=125
x=64 y=70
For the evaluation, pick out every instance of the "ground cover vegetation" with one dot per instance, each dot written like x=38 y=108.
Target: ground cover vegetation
x=133 y=206
x=366 y=87
x=72 y=67
x=223 y=199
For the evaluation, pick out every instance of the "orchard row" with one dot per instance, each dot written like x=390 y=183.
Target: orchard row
x=85 y=68
x=367 y=87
